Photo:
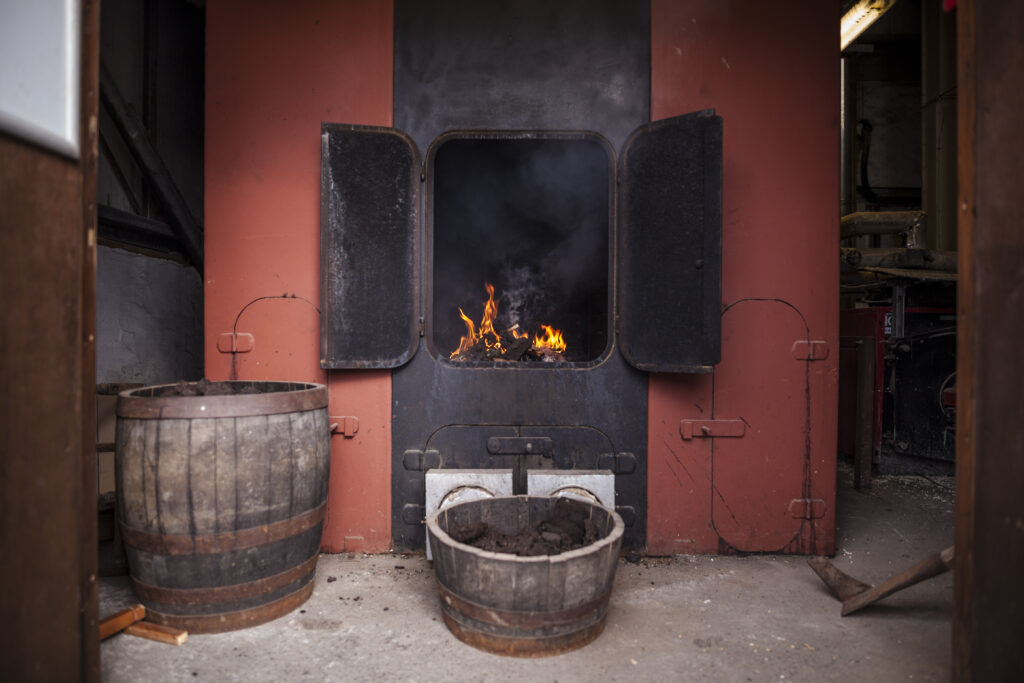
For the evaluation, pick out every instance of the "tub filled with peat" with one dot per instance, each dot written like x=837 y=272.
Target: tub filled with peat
x=527 y=576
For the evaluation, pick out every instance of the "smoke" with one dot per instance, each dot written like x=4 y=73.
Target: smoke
x=531 y=216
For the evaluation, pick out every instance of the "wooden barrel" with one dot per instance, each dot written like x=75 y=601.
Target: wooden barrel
x=222 y=489
x=523 y=606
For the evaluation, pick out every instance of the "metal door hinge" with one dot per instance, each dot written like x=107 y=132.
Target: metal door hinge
x=807 y=508
x=345 y=425
x=804 y=349
x=235 y=342
x=421 y=461
x=690 y=429
x=619 y=463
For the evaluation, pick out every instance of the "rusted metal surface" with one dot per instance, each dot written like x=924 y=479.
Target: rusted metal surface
x=520 y=646
x=223 y=594
x=232 y=621
x=204 y=544
x=547 y=622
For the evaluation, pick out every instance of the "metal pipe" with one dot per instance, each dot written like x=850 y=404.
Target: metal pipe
x=925 y=259
x=912 y=223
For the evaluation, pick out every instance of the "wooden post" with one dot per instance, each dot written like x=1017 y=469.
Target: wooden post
x=989 y=607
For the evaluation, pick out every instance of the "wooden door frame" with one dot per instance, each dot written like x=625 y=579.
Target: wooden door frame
x=49 y=600
x=988 y=598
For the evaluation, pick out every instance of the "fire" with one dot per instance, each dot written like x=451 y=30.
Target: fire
x=552 y=339
x=494 y=346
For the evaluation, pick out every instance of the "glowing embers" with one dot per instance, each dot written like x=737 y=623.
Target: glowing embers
x=486 y=344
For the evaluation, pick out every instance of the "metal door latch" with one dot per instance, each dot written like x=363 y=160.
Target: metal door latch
x=619 y=463
x=690 y=429
x=421 y=461
x=345 y=425
x=807 y=508
x=235 y=342
x=815 y=349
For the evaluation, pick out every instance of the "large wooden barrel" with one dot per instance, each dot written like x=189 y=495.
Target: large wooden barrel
x=222 y=489
x=523 y=606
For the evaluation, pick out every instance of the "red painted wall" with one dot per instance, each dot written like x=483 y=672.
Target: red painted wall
x=773 y=75
x=274 y=71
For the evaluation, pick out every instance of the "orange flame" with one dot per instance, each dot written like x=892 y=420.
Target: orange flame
x=552 y=339
x=489 y=337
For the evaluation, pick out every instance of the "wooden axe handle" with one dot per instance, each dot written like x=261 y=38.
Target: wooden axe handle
x=933 y=565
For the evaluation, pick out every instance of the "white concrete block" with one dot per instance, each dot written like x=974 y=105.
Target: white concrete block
x=592 y=486
x=448 y=487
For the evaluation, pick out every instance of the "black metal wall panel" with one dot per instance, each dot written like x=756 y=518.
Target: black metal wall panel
x=581 y=65
x=670 y=245
x=444 y=415
x=369 y=233
x=523 y=64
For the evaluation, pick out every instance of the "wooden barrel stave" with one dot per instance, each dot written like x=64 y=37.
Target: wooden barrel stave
x=201 y=570
x=223 y=505
x=523 y=606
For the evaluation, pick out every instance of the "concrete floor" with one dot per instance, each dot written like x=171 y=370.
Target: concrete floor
x=693 y=618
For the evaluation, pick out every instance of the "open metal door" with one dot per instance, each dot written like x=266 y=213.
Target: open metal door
x=670 y=245
x=369 y=247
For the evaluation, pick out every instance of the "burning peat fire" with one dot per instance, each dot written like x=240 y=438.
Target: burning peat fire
x=486 y=344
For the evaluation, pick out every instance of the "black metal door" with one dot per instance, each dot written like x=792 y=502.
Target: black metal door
x=370 y=236
x=670 y=244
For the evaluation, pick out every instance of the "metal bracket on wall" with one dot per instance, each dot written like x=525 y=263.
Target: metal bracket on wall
x=805 y=349
x=807 y=508
x=619 y=463
x=346 y=425
x=421 y=461
x=690 y=429
x=235 y=342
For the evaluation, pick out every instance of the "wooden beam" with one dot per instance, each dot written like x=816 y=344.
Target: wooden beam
x=988 y=593
x=119 y=621
x=158 y=632
x=88 y=533
x=47 y=332
x=134 y=134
